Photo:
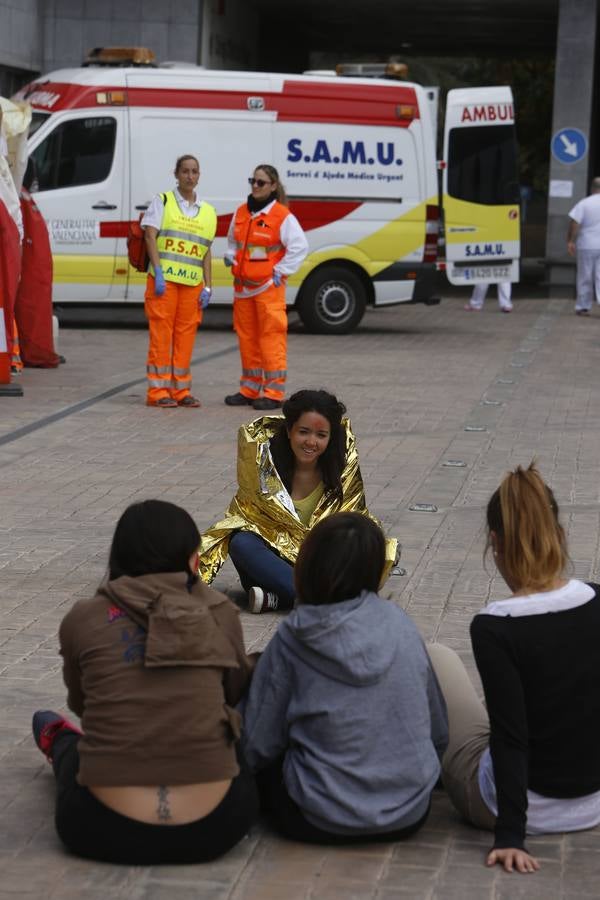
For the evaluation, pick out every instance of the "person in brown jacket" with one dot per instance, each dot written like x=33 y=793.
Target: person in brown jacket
x=154 y=665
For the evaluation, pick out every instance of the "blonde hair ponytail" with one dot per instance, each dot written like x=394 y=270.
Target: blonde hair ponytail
x=523 y=513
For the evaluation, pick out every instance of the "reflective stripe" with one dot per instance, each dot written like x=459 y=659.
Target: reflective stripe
x=186 y=236
x=249 y=282
x=181 y=372
x=240 y=294
x=244 y=382
x=181 y=382
x=271 y=376
x=257 y=373
x=158 y=370
x=180 y=258
x=272 y=248
x=183 y=242
x=154 y=382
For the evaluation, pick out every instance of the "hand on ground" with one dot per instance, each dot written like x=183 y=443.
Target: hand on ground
x=512 y=859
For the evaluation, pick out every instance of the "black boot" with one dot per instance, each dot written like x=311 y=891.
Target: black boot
x=238 y=400
x=267 y=403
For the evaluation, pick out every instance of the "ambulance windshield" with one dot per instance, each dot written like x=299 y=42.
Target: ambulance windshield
x=482 y=165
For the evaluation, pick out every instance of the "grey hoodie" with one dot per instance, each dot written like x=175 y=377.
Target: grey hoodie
x=346 y=691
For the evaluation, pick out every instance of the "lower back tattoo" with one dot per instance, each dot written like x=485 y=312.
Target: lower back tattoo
x=163 y=810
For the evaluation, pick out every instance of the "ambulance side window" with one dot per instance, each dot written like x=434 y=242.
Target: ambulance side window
x=37 y=120
x=482 y=165
x=79 y=151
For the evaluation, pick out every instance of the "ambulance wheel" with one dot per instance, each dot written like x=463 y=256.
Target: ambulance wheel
x=332 y=301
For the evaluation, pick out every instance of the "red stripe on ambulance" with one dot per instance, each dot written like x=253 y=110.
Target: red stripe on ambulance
x=339 y=103
x=310 y=213
x=300 y=101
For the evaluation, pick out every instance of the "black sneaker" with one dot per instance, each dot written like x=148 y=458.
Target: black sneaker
x=238 y=400
x=267 y=403
x=260 y=601
x=46 y=724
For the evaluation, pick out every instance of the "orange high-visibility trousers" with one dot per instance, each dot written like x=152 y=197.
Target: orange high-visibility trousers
x=173 y=320
x=261 y=326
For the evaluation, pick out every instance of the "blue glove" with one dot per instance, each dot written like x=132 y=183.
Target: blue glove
x=159 y=282
x=277 y=279
x=228 y=262
x=205 y=296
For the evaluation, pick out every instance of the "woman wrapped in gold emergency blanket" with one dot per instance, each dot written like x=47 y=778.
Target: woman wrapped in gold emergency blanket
x=293 y=471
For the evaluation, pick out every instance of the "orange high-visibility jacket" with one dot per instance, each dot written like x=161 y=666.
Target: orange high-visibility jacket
x=258 y=244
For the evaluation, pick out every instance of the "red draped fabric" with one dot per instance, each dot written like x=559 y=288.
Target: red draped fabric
x=33 y=308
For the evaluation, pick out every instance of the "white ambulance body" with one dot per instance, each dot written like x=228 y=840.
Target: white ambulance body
x=356 y=155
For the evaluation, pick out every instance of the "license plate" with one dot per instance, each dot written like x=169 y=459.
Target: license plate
x=482 y=272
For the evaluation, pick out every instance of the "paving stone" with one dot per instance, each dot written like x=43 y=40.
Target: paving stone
x=267 y=890
x=412 y=378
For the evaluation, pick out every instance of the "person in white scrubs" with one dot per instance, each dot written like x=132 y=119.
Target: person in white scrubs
x=583 y=242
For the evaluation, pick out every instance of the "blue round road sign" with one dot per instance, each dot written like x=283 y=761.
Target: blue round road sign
x=569 y=145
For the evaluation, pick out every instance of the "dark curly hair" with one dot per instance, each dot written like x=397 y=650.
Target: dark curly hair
x=331 y=462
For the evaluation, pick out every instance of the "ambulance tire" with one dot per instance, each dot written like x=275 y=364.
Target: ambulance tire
x=332 y=301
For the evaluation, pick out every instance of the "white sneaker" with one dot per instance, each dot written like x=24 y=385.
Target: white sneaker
x=262 y=601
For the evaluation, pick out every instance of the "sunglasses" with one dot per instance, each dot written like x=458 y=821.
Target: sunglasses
x=259 y=182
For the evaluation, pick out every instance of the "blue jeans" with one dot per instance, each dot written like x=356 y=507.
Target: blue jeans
x=259 y=566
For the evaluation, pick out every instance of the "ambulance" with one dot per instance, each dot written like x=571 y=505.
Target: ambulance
x=357 y=156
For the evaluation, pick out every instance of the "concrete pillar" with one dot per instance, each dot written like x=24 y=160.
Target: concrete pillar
x=573 y=95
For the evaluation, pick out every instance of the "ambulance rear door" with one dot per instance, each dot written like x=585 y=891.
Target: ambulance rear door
x=80 y=160
x=219 y=118
x=480 y=187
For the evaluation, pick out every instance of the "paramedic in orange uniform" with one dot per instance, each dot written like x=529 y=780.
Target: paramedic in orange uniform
x=265 y=245
x=179 y=230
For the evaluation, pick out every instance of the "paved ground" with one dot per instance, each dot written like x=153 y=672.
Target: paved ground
x=80 y=445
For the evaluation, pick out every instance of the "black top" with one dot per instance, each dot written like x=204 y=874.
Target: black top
x=541 y=679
